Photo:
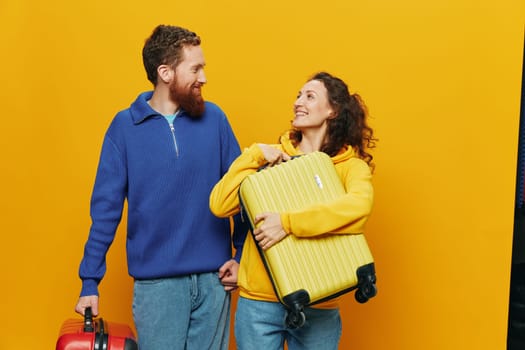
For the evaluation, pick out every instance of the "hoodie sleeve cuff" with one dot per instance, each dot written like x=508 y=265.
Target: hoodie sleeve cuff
x=285 y=221
x=257 y=154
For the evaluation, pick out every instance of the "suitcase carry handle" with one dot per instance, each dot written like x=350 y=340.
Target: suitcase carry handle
x=88 y=320
x=101 y=337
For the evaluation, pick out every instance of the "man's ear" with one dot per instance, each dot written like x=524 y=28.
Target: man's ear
x=165 y=73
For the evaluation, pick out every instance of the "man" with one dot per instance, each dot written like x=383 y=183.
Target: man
x=163 y=155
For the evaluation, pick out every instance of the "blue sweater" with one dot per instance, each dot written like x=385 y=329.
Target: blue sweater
x=166 y=176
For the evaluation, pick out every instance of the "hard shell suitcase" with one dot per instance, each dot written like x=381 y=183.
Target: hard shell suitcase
x=298 y=266
x=95 y=334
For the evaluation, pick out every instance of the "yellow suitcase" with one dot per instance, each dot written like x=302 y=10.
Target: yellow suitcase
x=298 y=266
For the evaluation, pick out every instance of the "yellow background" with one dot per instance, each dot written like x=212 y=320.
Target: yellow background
x=442 y=79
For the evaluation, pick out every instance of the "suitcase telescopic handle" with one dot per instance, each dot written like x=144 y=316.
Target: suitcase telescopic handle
x=88 y=320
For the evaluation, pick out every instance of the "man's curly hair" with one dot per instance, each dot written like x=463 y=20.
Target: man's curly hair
x=164 y=46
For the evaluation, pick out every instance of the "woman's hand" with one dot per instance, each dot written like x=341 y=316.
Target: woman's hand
x=270 y=231
x=272 y=155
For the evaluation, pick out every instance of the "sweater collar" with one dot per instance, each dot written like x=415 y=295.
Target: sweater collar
x=141 y=110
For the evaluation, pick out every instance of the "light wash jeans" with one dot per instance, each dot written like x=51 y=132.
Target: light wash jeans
x=259 y=325
x=183 y=313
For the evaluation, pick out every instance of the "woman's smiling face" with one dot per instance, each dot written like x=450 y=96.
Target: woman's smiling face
x=312 y=107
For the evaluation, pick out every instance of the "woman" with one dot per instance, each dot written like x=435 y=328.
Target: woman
x=329 y=119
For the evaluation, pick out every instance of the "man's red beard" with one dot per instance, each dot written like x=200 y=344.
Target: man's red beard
x=190 y=100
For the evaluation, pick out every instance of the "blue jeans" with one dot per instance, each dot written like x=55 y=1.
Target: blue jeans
x=260 y=325
x=183 y=313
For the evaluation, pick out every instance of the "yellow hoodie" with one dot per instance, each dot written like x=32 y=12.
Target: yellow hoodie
x=347 y=214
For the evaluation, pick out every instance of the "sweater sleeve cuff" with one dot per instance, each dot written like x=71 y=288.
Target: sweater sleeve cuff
x=89 y=287
x=238 y=255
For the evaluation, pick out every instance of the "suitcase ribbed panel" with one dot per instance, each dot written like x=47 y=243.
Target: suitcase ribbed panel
x=323 y=266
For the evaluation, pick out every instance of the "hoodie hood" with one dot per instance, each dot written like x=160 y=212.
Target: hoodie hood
x=344 y=154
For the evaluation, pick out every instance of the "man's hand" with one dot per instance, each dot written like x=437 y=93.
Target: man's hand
x=228 y=275
x=87 y=301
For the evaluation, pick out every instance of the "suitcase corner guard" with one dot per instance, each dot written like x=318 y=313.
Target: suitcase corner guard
x=366 y=286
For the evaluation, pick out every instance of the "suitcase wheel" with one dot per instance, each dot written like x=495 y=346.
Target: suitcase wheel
x=366 y=288
x=295 y=319
x=295 y=303
x=365 y=292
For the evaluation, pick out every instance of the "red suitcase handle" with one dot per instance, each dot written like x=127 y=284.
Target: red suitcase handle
x=101 y=338
x=88 y=320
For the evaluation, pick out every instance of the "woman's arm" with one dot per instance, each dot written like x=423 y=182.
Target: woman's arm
x=224 y=199
x=347 y=214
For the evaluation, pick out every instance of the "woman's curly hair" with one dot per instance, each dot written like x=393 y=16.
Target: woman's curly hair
x=349 y=127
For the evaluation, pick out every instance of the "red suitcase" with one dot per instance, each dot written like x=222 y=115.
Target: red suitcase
x=95 y=334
